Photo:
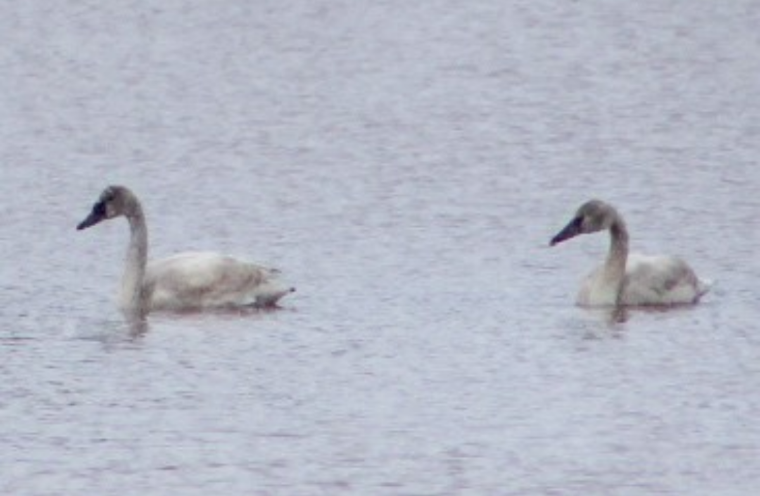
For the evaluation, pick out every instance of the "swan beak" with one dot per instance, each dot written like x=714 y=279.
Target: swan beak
x=95 y=216
x=569 y=231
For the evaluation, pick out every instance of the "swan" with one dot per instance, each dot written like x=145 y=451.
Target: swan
x=185 y=281
x=629 y=280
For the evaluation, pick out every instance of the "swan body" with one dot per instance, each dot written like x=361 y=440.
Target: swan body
x=185 y=281
x=194 y=280
x=629 y=280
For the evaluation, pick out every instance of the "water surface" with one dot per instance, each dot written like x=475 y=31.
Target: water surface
x=405 y=164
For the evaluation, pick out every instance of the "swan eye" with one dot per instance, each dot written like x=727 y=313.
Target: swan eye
x=99 y=208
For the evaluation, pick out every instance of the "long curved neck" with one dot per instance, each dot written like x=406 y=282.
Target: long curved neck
x=133 y=297
x=614 y=266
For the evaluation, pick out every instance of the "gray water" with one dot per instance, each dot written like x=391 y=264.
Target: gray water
x=404 y=164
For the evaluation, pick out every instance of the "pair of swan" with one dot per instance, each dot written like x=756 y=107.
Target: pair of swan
x=201 y=280
x=186 y=281
x=629 y=280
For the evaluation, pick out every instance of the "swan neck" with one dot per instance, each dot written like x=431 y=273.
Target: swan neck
x=132 y=294
x=618 y=255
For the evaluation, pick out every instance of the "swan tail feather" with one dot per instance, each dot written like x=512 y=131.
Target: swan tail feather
x=703 y=287
x=270 y=296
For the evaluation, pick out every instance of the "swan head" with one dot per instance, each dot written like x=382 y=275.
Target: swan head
x=113 y=202
x=593 y=216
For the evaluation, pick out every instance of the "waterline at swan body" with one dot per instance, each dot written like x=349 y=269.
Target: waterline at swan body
x=186 y=281
x=624 y=279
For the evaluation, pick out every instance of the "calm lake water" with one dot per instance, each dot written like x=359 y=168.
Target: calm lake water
x=405 y=164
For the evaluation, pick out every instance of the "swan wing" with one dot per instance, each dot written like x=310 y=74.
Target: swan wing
x=660 y=280
x=205 y=280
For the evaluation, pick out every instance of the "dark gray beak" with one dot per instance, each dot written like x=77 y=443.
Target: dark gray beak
x=98 y=214
x=569 y=231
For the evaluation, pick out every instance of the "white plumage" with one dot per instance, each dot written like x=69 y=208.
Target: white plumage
x=186 y=281
x=210 y=280
x=625 y=279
